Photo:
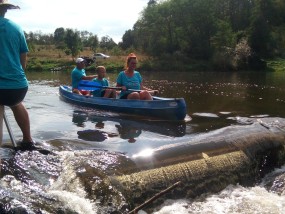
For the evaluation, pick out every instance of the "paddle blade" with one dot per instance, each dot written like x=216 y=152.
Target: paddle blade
x=89 y=85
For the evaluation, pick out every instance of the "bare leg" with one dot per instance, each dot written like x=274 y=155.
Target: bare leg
x=83 y=92
x=145 y=95
x=134 y=96
x=76 y=91
x=114 y=93
x=22 y=117
x=110 y=93
x=107 y=93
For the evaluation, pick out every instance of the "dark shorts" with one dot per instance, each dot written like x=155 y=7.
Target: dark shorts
x=103 y=93
x=12 y=97
x=125 y=96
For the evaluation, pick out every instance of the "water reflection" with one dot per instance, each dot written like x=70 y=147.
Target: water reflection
x=127 y=131
x=100 y=125
x=173 y=129
x=92 y=135
x=79 y=118
x=125 y=128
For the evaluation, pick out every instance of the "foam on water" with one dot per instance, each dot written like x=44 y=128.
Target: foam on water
x=74 y=202
x=205 y=115
x=233 y=199
x=69 y=190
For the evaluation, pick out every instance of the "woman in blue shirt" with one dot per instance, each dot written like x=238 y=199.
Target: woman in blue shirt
x=131 y=79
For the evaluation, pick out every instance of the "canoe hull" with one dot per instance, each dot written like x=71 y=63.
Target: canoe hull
x=162 y=108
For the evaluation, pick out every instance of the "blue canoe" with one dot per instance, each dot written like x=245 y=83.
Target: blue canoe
x=160 y=108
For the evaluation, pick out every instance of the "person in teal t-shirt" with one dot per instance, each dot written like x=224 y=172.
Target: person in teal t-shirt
x=131 y=79
x=103 y=92
x=77 y=74
x=13 y=81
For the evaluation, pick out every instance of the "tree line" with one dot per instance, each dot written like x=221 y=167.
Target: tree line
x=70 y=40
x=231 y=34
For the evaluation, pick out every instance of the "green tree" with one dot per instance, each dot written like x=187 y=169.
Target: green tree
x=202 y=26
x=107 y=43
x=127 y=40
x=85 y=35
x=151 y=2
x=259 y=31
x=59 y=35
x=93 y=42
x=224 y=37
x=176 y=26
x=30 y=42
x=153 y=32
x=73 y=42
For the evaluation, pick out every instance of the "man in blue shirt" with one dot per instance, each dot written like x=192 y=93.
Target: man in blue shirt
x=77 y=74
x=13 y=82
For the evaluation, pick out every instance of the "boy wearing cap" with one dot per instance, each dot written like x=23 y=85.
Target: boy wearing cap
x=77 y=74
x=13 y=81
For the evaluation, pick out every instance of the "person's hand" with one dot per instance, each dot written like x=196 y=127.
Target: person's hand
x=154 y=92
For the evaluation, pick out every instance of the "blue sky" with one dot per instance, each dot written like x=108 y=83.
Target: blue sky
x=101 y=17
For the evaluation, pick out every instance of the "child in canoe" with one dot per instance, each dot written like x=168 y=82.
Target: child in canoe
x=103 y=92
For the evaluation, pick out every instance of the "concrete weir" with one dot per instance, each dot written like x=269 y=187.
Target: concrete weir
x=207 y=163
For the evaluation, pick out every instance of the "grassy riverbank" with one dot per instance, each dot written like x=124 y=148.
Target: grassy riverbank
x=48 y=58
x=277 y=65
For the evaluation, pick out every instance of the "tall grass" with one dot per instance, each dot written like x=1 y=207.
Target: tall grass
x=277 y=65
x=48 y=58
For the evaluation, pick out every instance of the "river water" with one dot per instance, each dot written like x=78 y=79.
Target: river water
x=214 y=100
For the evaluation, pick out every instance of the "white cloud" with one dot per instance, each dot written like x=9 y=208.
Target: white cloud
x=101 y=17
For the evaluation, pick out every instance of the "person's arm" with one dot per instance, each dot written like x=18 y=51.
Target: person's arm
x=124 y=88
x=91 y=77
x=142 y=87
x=119 y=82
x=23 y=60
x=151 y=91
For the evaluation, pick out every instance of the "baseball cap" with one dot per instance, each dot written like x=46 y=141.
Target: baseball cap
x=79 y=60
